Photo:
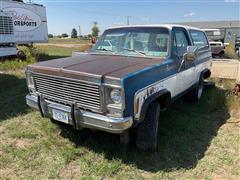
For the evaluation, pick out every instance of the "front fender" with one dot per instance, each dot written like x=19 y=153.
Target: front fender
x=144 y=99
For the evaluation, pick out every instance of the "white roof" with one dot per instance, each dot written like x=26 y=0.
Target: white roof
x=211 y=29
x=169 y=26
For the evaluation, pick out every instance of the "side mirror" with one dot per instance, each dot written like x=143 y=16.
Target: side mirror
x=191 y=54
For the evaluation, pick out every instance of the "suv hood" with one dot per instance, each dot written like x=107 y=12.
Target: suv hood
x=94 y=65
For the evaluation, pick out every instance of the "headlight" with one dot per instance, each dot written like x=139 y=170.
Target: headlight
x=115 y=95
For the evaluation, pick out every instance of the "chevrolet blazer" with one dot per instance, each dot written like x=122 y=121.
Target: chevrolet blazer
x=124 y=82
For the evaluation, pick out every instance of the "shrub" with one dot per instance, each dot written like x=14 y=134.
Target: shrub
x=230 y=52
x=64 y=35
x=50 y=36
x=32 y=54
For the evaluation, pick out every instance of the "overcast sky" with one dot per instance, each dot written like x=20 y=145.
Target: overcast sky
x=63 y=15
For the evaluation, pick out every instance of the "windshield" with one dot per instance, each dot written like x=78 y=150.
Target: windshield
x=138 y=41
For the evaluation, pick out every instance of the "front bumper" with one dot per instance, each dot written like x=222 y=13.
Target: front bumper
x=79 y=118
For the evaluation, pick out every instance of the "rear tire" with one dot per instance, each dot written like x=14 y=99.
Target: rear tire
x=147 y=131
x=221 y=54
x=195 y=94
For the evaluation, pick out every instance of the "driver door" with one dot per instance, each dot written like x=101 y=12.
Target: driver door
x=186 y=73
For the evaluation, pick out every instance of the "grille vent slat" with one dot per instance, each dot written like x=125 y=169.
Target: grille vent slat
x=68 y=91
x=6 y=25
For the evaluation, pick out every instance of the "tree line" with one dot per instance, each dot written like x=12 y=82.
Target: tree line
x=74 y=33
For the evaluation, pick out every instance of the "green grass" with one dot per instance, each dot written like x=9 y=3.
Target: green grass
x=40 y=53
x=53 y=52
x=196 y=141
x=68 y=41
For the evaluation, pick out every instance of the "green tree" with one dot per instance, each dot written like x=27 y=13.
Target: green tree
x=74 y=33
x=50 y=36
x=64 y=35
x=95 y=29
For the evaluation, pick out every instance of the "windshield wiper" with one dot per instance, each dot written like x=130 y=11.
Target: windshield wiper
x=136 y=51
x=106 y=50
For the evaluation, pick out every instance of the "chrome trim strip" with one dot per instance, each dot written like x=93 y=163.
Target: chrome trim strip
x=65 y=78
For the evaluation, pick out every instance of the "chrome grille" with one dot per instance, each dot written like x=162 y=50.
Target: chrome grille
x=6 y=25
x=69 y=91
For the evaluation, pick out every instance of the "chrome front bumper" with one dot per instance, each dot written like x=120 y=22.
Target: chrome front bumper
x=79 y=118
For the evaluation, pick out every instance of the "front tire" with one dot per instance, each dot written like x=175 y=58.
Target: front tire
x=147 y=131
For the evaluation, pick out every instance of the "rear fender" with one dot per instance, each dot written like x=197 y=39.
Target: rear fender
x=206 y=73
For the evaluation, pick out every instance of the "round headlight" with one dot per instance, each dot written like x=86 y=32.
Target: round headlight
x=116 y=96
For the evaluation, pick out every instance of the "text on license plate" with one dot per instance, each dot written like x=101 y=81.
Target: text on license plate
x=60 y=115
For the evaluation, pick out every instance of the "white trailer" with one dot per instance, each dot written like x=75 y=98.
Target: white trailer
x=30 y=21
x=7 y=39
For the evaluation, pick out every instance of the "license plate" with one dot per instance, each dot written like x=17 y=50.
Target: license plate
x=60 y=115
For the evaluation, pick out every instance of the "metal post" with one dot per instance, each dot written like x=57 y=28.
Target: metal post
x=79 y=29
x=127 y=20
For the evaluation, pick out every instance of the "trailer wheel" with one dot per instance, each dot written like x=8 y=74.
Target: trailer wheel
x=21 y=55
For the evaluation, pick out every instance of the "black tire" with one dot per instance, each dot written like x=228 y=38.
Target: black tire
x=21 y=55
x=221 y=54
x=125 y=138
x=147 y=131
x=195 y=94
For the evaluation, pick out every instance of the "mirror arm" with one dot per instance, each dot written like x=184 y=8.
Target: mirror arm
x=180 y=67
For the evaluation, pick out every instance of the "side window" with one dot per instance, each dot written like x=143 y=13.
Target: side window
x=199 y=39
x=180 y=43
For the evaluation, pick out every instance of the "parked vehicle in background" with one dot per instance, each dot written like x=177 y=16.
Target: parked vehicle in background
x=122 y=84
x=214 y=34
x=7 y=39
x=30 y=21
x=217 y=49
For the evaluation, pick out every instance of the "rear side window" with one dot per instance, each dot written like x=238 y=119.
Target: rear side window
x=199 y=39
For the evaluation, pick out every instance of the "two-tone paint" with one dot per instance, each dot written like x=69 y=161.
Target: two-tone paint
x=142 y=79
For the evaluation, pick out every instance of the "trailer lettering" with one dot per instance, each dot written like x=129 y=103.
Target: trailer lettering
x=24 y=19
x=25 y=23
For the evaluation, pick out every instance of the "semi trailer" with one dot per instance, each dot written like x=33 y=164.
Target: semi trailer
x=7 y=39
x=29 y=25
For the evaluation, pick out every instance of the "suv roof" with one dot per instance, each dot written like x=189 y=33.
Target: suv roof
x=169 y=26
